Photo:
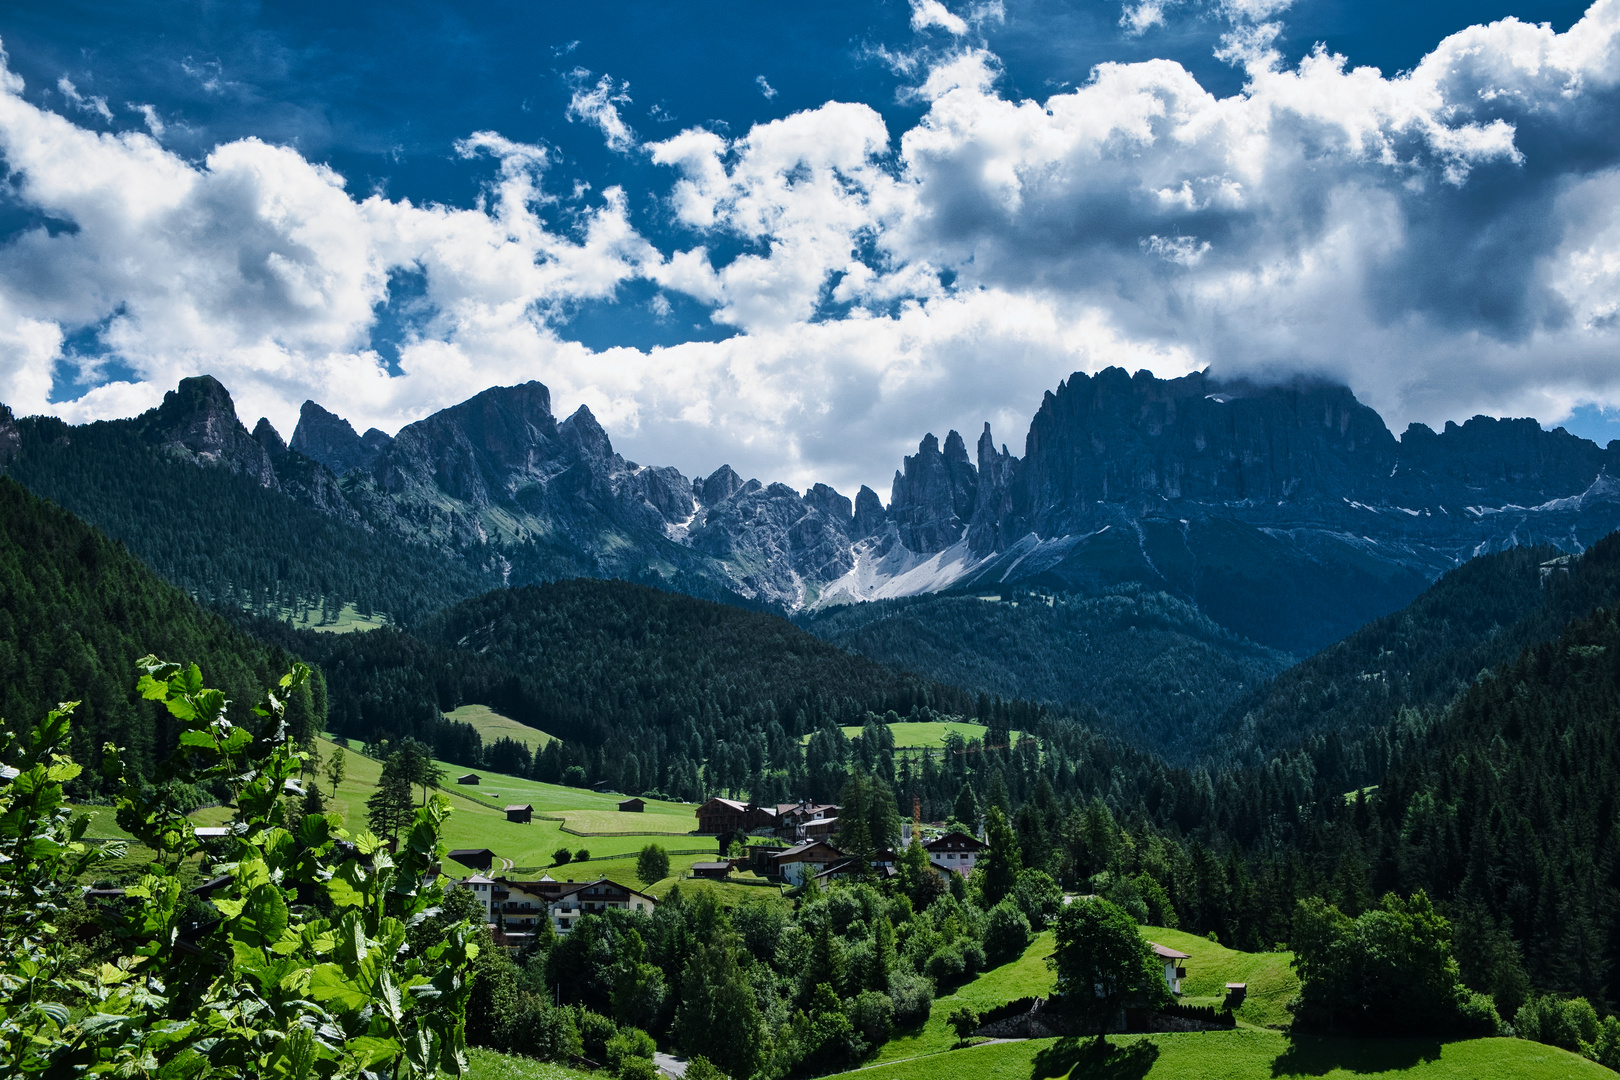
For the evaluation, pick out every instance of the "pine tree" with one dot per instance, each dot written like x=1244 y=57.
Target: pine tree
x=967 y=807
x=392 y=806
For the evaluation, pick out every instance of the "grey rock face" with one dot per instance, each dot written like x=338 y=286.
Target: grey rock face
x=198 y=420
x=998 y=471
x=720 y=485
x=838 y=510
x=870 y=517
x=10 y=437
x=329 y=439
x=934 y=496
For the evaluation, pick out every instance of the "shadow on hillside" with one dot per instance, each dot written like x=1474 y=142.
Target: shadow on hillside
x=1318 y=1055
x=1088 y=1061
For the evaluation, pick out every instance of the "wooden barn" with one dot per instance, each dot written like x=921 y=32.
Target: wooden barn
x=633 y=806
x=477 y=858
x=467 y=778
x=522 y=813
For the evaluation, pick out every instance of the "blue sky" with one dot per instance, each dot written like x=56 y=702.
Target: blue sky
x=795 y=238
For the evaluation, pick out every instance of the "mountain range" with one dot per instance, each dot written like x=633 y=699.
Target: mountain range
x=1288 y=514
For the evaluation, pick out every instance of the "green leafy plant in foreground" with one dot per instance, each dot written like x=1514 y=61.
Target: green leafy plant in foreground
x=304 y=968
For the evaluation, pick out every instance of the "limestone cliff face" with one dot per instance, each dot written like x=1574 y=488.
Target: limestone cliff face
x=329 y=439
x=934 y=495
x=198 y=420
x=1288 y=513
x=10 y=437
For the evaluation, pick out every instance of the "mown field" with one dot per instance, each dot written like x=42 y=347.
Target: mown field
x=1246 y=1054
x=918 y=736
x=491 y=725
x=1270 y=976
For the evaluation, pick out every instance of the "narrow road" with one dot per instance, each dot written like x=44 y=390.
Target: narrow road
x=670 y=1065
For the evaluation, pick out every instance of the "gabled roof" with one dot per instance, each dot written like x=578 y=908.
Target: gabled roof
x=800 y=849
x=519 y=806
x=1169 y=954
x=457 y=853
x=477 y=879
x=730 y=804
x=579 y=886
x=955 y=841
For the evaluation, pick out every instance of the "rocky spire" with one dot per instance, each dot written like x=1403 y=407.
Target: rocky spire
x=934 y=495
x=870 y=516
x=997 y=472
x=330 y=440
x=198 y=419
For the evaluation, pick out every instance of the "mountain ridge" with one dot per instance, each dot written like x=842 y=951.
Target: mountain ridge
x=1290 y=514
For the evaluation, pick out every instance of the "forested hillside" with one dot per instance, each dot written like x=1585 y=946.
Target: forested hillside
x=1476 y=617
x=222 y=536
x=1156 y=669
x=76 y=612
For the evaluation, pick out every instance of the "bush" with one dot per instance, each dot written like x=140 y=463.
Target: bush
x=639 y=1068
x=574 y=776
x=699 y=1067
x=945 y=967
x=1606 y=1049
x=1006 y=934
x=594 y=1032
x=582 y=855
x=561 y=856
x=972 y=957
x=872 y=1013
x=913 y=997
x=629 y=1043
x=1571 y=1024
x=538 y=1029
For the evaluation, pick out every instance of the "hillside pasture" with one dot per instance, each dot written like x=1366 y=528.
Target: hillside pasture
x=479 y=822
x=1245 y=1054
x=1270 y=976
x=922 y=736
x=491 y=726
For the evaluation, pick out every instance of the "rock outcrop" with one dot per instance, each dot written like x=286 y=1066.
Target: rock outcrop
x=329 y=439
x=10 y=437
x=198 y=420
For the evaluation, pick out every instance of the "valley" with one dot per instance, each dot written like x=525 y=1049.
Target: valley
x=1229 y=670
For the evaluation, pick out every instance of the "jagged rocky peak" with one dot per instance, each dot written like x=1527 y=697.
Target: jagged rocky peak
x=329 y=439
x=198 y=419
x=10 y=437
x=998 y=472
x=586 y=436
x=719 y=486
x=837 y=509
x=266 y=435
x=934 y=495
x=870 y=517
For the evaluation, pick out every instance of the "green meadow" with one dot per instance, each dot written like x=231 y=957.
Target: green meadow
x=491 y=725
x=1245 y=1054
x=923 y=736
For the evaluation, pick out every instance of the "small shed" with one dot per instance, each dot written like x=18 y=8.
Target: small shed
x=633 y=806
x=718 y=871
x=212 y=832
x=1235 y=993
x=477 y=858
x=521 y=813
x=467 y=778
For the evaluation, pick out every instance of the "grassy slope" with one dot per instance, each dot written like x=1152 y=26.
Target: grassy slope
x=909 y=736
x=1028 y=976
x=1249 y=1054
x=1270 y=976
x=491 y=725
x=479 y=822
x=490 y=1065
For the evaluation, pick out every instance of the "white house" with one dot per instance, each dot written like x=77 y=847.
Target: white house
x=1173 y=971
x=593 y=898
x=955 y=851
x=798 y=864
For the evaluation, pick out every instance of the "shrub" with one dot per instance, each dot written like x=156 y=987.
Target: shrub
x=561 y=856
x=1571 y=1024
x=594 y=1031
x=574 y=776
x=1606 y=1048
x=639 y=1068
x=945 y=967
x=582 y=855
x=699 y=1067
x=913 y=997
x=1006 y=935
x=972 y=957
x=872 y=1013
x=629 y=1043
